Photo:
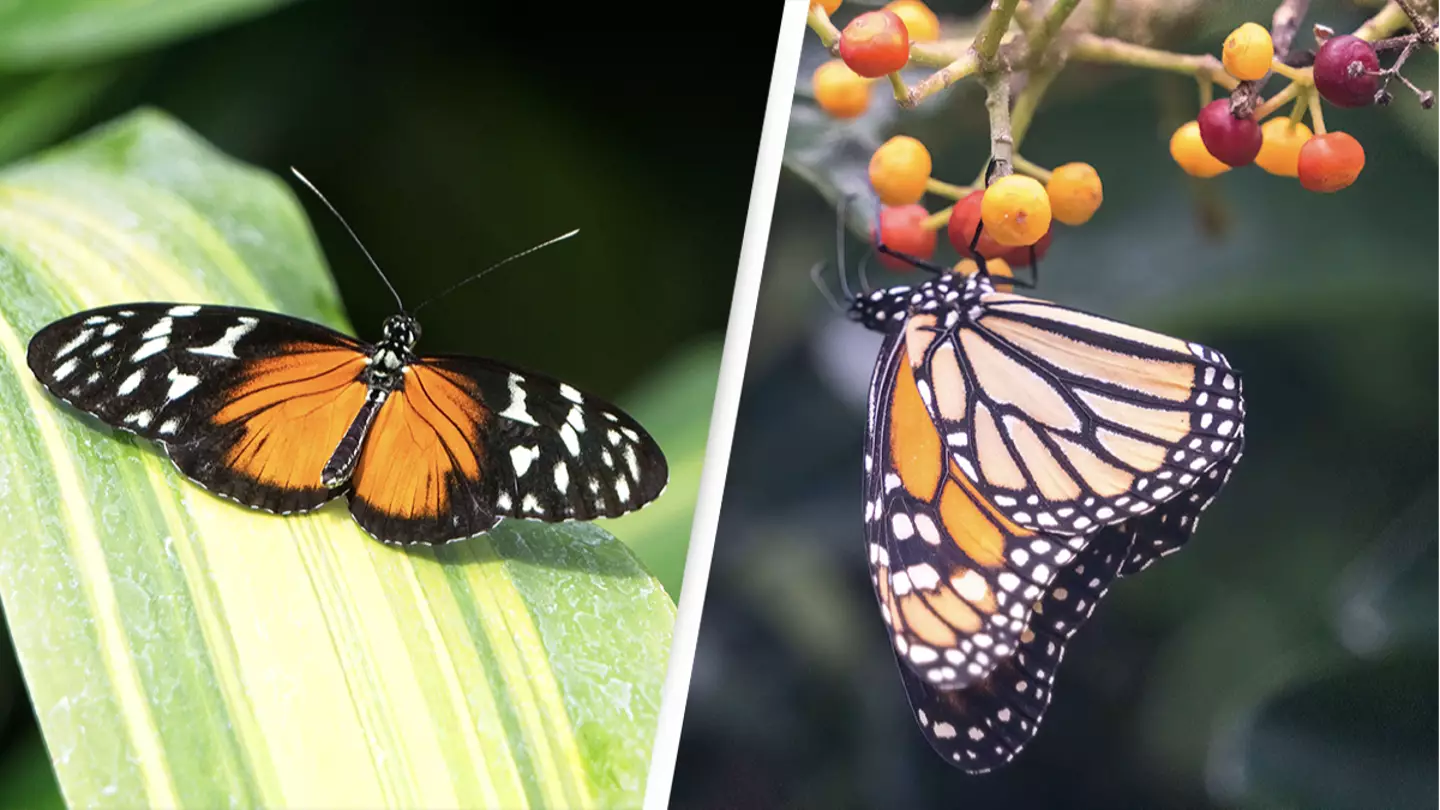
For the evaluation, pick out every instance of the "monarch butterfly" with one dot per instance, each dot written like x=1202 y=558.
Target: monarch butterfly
x=1021 y=455
x=284 y=415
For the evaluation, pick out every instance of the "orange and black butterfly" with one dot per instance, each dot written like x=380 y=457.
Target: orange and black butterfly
x=1020 y=456
x=284 y=415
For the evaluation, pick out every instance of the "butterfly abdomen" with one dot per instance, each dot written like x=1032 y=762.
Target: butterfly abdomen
x=342 y=462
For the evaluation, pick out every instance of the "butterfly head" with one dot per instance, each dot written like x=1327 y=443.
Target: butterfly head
x=402 y=332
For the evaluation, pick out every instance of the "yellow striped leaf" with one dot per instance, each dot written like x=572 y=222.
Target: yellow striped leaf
x=183 y=651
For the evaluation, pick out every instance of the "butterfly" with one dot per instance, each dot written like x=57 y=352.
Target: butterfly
x=285 y=415
x=1020 y=456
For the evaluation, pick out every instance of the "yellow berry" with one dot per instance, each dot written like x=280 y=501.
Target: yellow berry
x=1075 y=193
x=1280 y=149
x=828 y=5
x=997 y=268
x=919 y=20
x=839 y=90
x=1247 y=52
x=1015 y=210
x=1189 y=151
x=899 y=169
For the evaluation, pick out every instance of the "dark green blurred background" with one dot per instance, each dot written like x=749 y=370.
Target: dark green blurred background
x=451 y=135
x=1287 y=657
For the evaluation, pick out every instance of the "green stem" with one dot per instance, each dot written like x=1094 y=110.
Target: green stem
x=1050 y=25
x=1297 y=110
x=1028 y=101
x=949 y=190
x=1032 y=169
x=987 y=42
x=819 y=22
x=1280 y=99
x=1317 y=115
x=1092 y=48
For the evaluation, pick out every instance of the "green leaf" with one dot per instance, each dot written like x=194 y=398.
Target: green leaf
x=180 y=650
x=674 y=404
x=35 y=108
x=45 y=33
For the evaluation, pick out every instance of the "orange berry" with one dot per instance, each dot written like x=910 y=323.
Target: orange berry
x=920 y=21
x=828 y=5
x=1016 y=210
x=997 y=268
x=1280 y=151
x=1075 y=193
x=839 y=91
x=899 y=169
x=1330 y=162
x=1247 y=52
x=902 y=229
x=875 y=44
x=1189 y=151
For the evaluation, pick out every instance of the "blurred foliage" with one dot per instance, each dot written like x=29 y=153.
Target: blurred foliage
x=1287 y=658
x=451 y=135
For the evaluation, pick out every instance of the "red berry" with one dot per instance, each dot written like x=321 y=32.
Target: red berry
x=964 y=219
x=875 y=44
x=902 y=229
x=1234 y=141
x=1333 y=72
x=1330 y=162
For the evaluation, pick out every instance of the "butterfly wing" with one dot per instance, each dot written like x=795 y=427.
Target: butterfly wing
x=985 y=725
x=468 y=441
x=956 y=579
x=1066 y=421
x=247 y=403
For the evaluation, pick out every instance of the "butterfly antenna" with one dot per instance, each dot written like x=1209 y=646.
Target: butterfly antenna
x=840 y=246
x=983 y=269
x=353 y=235
x=824 y=290
x=864 y=278
x=496 y=266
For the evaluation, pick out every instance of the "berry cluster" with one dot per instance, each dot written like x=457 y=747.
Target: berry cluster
x=1008 y=222
x=1014 y=216
x=1346 y=73
x=874 y=44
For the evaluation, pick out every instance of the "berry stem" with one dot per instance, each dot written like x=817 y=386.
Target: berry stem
x=819 y=22
x=1091 y=48
x=1293 y=74
x=1424 y=29
x=1280 y=99
x=1035 y=170
x=1297 y=110
x=1317 y=115
x=1207 y=90
x=1386 y=22
x=937 y=220
x=897 y=84
x=944 y=189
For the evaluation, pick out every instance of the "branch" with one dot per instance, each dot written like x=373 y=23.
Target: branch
x=1283 y=27
x=987 y=42
x=1050 y=26
x=1092 y=48
x=997 y=103
x=1423 y=27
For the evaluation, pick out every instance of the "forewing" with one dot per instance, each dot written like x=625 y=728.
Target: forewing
x=955 y=579
x=1066 y=421
x=247 y=403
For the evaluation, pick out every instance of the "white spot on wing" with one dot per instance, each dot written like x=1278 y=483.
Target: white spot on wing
x=150 y=347
x=66 y=369
x=183 y=311
x=75 y=343
x=572 y=442
x=571 y=394
x=516 y=409
x=132 y=382
x=522 y=457
x=225 y=346
x=180 y=385
x=562 y=477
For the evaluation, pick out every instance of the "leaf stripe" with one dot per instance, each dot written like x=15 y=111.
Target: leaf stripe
x=96 y=583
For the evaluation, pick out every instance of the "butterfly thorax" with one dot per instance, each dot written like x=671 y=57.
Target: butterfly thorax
x=386 y=369
x=886 y=310
x=384 y=374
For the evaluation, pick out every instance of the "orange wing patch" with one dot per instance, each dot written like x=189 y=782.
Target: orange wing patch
x=293 y=408
x=425 y=433
x=914 y=443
